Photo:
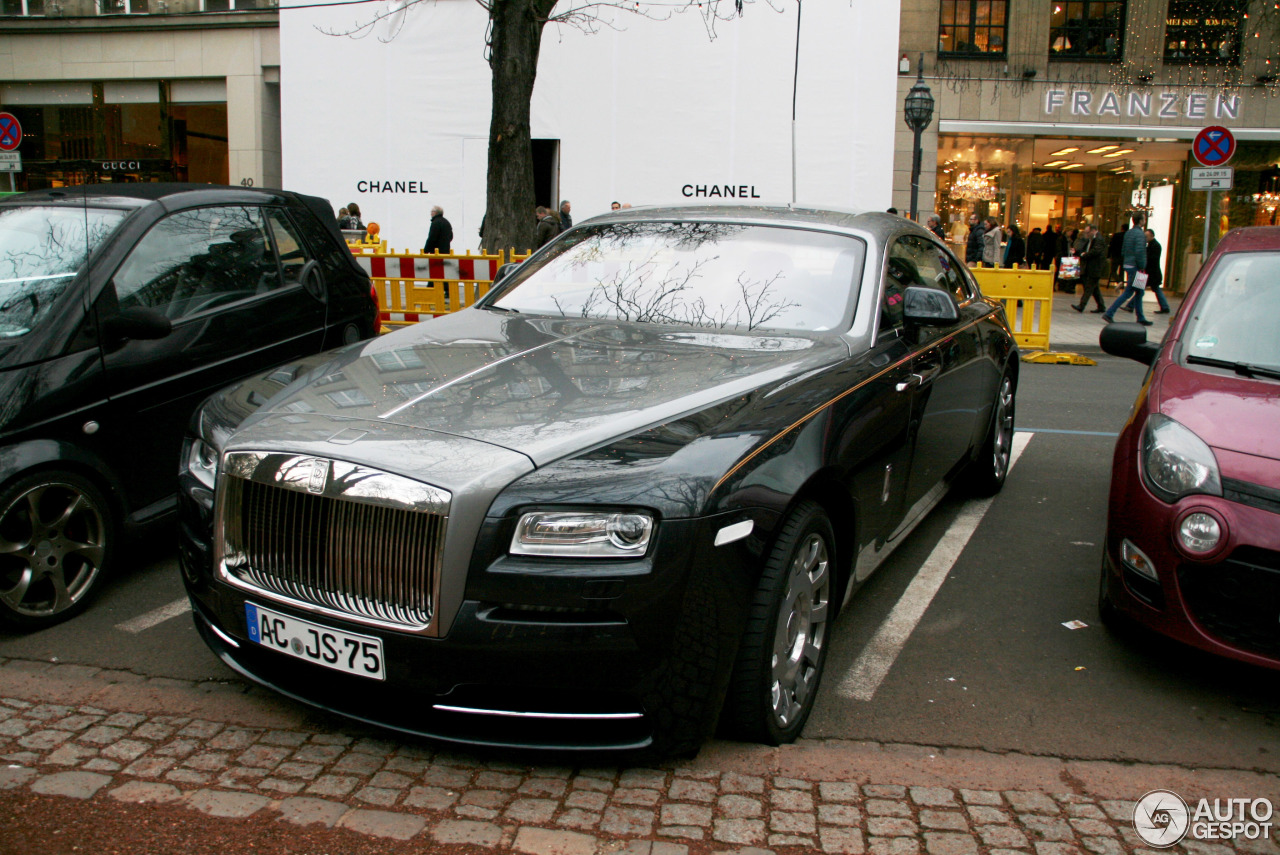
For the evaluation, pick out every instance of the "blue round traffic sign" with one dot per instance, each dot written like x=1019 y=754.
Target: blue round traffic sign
x=1213 y=146
x=10 y=132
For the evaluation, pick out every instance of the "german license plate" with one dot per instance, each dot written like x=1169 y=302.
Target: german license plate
x=342 y=651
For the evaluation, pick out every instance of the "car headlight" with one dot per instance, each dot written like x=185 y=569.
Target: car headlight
x=583 y=534
x=202 y=462
x=1176 y=462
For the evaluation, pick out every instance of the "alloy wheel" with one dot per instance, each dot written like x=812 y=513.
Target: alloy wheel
x=1002 y=443
x=801 y=630
x=52 y=543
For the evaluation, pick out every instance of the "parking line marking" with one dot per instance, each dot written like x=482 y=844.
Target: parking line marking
x=873 y=665
x=1109 y=433
x=156 y=616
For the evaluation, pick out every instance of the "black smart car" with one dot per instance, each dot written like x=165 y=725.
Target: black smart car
x=121 y=308
x=622 y=497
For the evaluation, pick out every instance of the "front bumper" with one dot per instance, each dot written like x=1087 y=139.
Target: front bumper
x=1227 y=603
x=532 y=658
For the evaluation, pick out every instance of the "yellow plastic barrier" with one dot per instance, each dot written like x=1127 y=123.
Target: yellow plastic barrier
x=1027 y=296
x=413 y=286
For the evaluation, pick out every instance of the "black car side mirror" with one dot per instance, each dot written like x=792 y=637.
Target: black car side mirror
x=929 y=307
x=312 y=280
x=135 y=323
x=1129 y=341
x=505 y=270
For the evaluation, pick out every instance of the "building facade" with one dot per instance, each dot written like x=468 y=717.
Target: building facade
x=1065 y=112
x=142 y=90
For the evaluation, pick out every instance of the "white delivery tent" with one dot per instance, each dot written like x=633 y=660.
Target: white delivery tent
x=643 y=111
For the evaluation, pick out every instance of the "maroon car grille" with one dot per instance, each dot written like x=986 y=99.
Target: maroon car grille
x=1237 y=601
x=354 y=558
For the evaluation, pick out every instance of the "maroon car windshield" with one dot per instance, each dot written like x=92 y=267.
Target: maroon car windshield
x=1235 y=322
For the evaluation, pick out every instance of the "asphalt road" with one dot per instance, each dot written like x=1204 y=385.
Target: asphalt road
x=989 y=665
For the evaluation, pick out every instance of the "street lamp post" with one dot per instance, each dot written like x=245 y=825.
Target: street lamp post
x=918 y=111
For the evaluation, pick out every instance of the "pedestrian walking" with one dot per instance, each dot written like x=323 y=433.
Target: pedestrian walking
x=1049 y=248
x=934 y=224
x=973 y=247
x=1035 y=247
x=1093 y=261
x=1015 y=252
x=1134 y=258
x=566 y=221
x=352 y=220
x=547 y=225
x=1155 y=277
x=440 y=235
x=991 y=244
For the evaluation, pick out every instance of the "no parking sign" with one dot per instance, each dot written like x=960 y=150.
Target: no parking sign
x=1213 y=146
x=10 y=132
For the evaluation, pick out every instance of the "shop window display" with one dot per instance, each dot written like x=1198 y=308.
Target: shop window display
x=1204 y=32
x=973 y=28
x=1084 y=30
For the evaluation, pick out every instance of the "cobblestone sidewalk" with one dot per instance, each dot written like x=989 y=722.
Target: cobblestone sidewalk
x=403 y=791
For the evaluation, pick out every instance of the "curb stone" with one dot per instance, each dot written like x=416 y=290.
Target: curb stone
x=830 y=797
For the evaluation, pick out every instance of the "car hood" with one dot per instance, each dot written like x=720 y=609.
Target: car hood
x=1229 y=413
x=545 y=387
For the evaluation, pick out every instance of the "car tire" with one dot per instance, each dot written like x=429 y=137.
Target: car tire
x=985 y=476
x=784 y=646
x=57 y=538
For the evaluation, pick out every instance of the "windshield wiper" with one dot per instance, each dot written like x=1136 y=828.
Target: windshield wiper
x=1244 y=369
x=498 y=308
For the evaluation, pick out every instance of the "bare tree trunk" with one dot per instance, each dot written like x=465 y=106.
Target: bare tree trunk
x=514 y=41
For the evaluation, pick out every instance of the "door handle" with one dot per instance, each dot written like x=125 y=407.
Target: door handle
x=913 y=380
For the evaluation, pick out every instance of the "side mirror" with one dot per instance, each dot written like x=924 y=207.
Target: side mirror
x=1129 y=341
x=505 y=270
x=312 y=280
x=929 y=307
x=135 y=323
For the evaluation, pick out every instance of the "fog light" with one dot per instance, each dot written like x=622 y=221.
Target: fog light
x=1137 y=561
x=1199 y=533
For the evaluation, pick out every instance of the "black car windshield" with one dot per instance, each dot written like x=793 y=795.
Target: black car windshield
x=41 y=251
x=712 y=275
x=1236 y=319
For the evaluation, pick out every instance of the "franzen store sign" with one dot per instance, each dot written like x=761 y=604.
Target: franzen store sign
x=1162 y=105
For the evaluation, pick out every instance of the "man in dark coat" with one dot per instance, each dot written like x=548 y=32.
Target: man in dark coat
x=566 y=221
x=1049 y=248
x=973 y=249
x=1114 y=254
x=1093 y=261
x=440 y=235
x=1035 y=247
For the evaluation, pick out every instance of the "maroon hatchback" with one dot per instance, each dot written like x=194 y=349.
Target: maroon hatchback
x=1193 y=526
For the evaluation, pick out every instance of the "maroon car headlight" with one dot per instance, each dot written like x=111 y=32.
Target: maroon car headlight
x=1200 y=533
x=1176 y=462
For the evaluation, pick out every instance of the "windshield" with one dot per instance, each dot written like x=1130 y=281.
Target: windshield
x=41 y=251
x=710 y=275
x=1237 y=316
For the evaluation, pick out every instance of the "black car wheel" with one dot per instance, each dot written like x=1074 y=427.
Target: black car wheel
x=784 y=647
x=55 y=543
x=986 y=475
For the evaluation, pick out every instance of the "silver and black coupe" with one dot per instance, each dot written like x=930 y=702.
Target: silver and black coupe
x=616 y=503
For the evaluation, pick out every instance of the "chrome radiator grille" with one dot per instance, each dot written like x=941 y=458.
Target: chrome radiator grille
x=377 y=563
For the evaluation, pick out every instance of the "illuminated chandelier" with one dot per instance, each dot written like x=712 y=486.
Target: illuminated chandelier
x=1268 y=200
x=973 y=185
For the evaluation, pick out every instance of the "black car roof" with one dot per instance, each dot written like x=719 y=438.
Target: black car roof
x=132 y=195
